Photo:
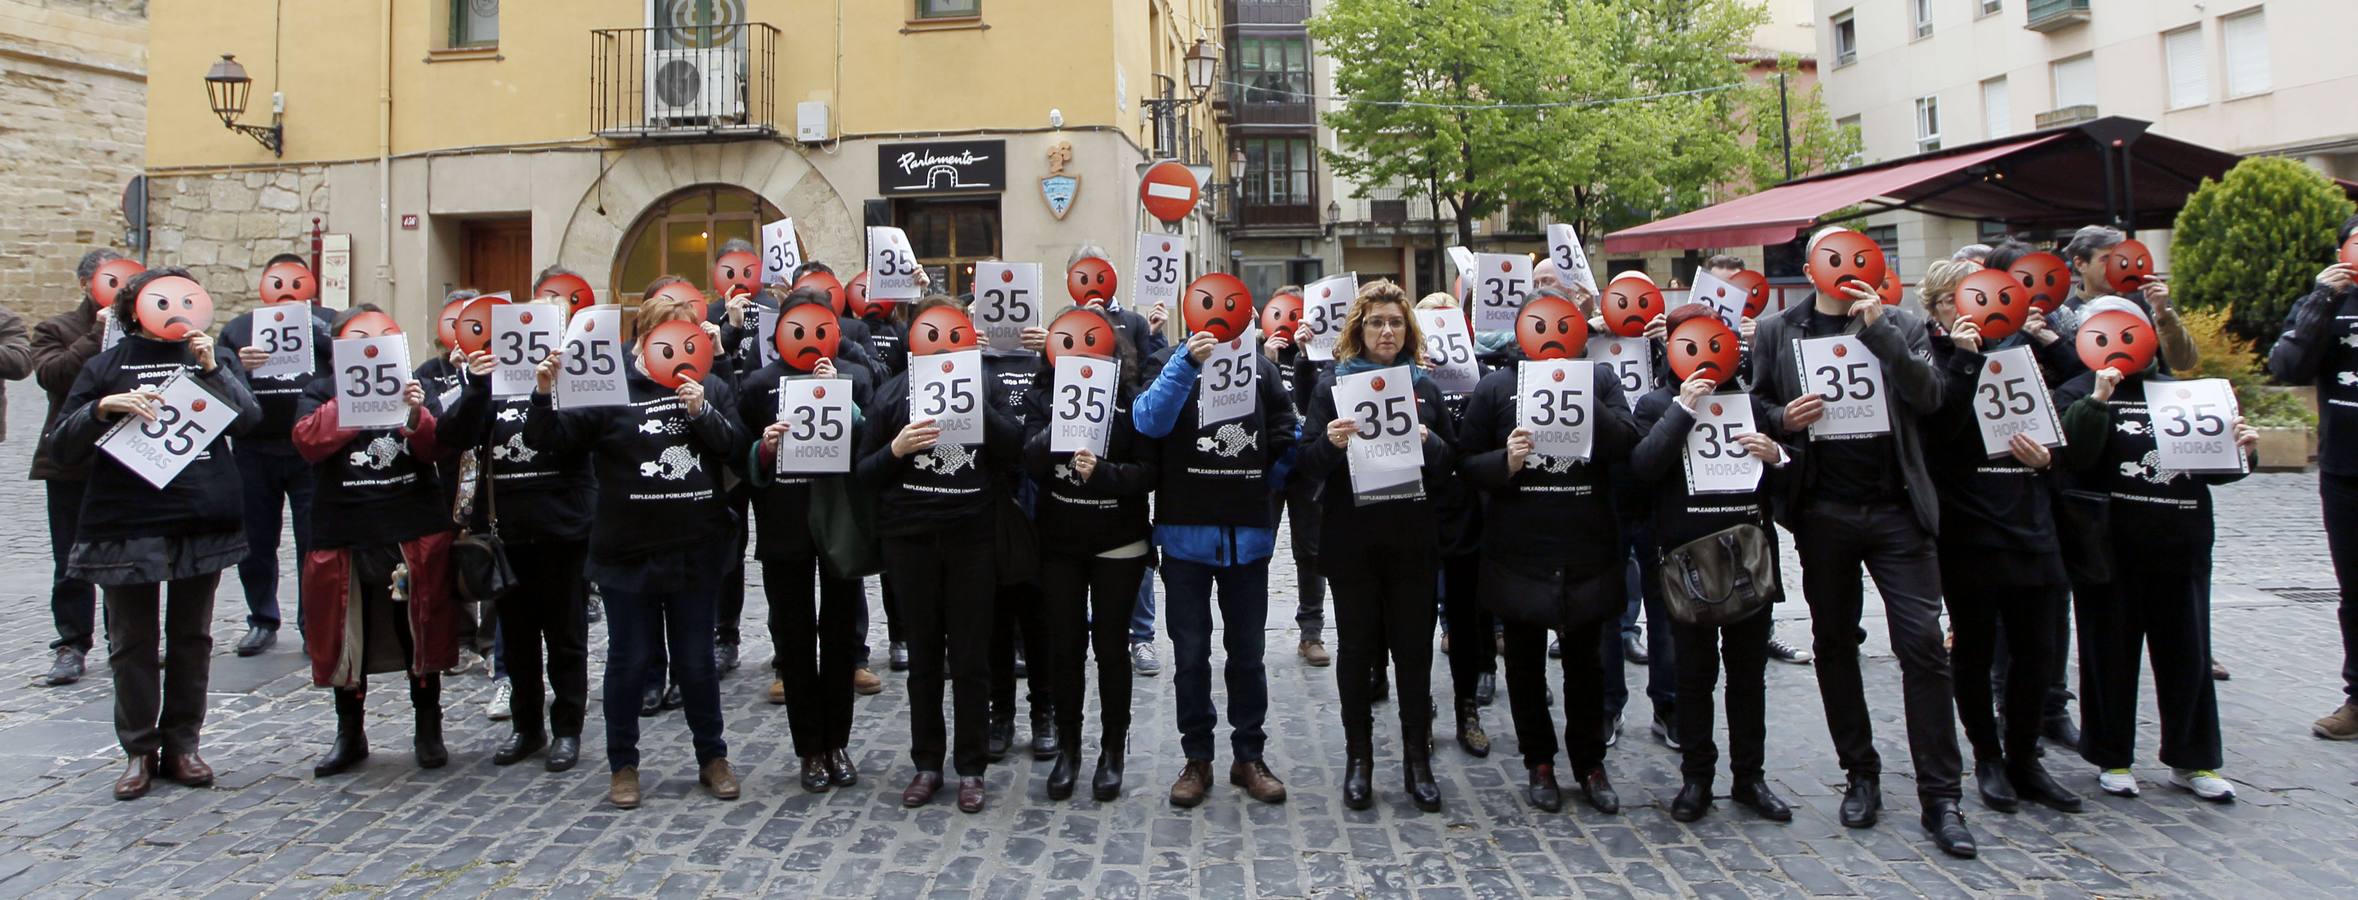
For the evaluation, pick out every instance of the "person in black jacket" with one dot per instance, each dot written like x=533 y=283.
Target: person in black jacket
x=1552 y=542
x=938 y=510
x=273 y=475
x=1380 y=550
x=2316 y=348
x=1300 y=373
x=1095 y=541
x=1471 y=631
x=660 y=538
x=60 y=345
x=135 y=539
x=1020 y=640
x=816 y=686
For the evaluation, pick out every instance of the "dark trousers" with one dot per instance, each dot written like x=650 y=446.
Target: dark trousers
x=685 y=620
x=945 y=580
x=73 y=603
x=1244 y=612
x=1836 y=540
x=161 y=707
x=1472 y=652
x=1302 y=515
x=1978 y=609
x=2340 y=493
x=1526 y=677
x=1088 y=601
x=814 y=624
x=2167 y=614
x=892 y=609
x=1383 y=603
x=1742 y=647
x=1019 y=611
x=1645 y=591
x=271 y=480
x=549 y=608
x=727 y=628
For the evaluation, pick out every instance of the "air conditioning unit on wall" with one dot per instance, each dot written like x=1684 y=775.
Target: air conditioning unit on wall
x=695 y=86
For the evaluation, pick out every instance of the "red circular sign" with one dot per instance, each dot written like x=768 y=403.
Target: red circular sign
x=819 y=392
x=1559 y=374
x=1168 y=191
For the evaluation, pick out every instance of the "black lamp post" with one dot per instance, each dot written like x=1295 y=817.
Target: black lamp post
x=1202 y=63
x=227 y=87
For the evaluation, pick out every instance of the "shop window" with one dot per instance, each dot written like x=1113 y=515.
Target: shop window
x=950 y=235
x=682 y=233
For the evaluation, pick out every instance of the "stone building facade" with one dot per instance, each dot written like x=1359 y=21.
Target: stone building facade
x=221 y=226
x=73 y=78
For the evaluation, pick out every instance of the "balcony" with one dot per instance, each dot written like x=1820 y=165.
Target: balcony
x=2054 y=15
x=1267 y=12
x=1275 y=219
x=1289 y=112
x=2069 y=115
x=681 y=81
x=1387 y=212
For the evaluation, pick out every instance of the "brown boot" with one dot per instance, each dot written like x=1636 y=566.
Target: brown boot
x=1258 y=782
x=2341 y=726
x=1193 y=782
x=138 y=777
x=1313 y=652
x=777 y=692
x=623 y=791
x=187 y=770
x=865 y=683
x=718 y=780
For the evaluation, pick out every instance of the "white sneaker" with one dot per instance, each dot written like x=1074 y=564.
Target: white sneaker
x=501 y=706
x=1143 y=661
x=2204 y=783
x=2117 y=782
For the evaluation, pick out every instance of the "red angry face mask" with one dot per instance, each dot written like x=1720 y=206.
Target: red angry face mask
x=1703 y=344
x=2045 y=279
x=2126 y=266
x=1756 y=291
x=942 y=329
x=675 y=353
x=2349 y=254
x=369 y=324
x=1550 y=328
x=1994 y=303
x=1631 y=300
x=825 y=282
x=686 y=293
x=855 y=298
x=172 y=308
x=1282 y=316
x=1217 y=303
x=289 y=282
x=1843 y=257
x=110 y=278
x=568 y=290
x=735 y=273
x=2118 y=340
x=1080 y=330
x=807 y=334
x=1091 y=281
x=472 y=331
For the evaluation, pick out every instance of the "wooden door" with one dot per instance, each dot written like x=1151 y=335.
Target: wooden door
x=499 y=256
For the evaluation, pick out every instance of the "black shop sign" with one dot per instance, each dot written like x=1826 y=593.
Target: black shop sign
x=940 y=166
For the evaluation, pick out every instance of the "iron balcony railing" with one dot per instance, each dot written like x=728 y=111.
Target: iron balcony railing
x=698 y=79
x=1268 y=12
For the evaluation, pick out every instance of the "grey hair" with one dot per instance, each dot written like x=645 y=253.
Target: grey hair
x=736 y=245
x=88 y=267
x=460 y=296
x=552 y=272
x=2086 y=242
x=1979 y=253
x=1087 y=251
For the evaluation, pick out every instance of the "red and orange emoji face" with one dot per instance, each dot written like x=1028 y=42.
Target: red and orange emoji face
x=1282 y=316
x=472 y=332
x=1080 y=330
x=1703 y=344
x=735 y=273
x=446 y=325
x=1889 y=288
x=1756 y=291
x=110 y=278
x=173 y=308
x=1840 y=256
x=2349 y=254
x=2126 y=266
x=686 y=293
x=289 y=282
x=676 y=352
x=1217 y=303
x=2117 y=339
x=826 y=282
x=567 y=290
x=1994 y=302
x=941 y=329
x=1091 y=281
x=1631 y=300
x=368 y=324
x=2045 y=279
x=1550 y=328
x=807 y=334
x=855 y=298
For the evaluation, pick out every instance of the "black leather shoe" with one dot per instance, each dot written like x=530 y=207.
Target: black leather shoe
x=1044 y=738
x=1106 y=785
x=1633 y=649
x=1358 y=786
x=1543 y=792
x=1947 y=827
x=65 y=667
x=1861 y=802
x=1002 y=736
x=256 y=641
x=1599 y=791
x=1062 y=775
x=1470 y=736
x=2062 y=731
x=346 y=752
x=1756 y=794
x=1422 y=789
x=840 y=771
x=724 y=657
x=814 y=774
x=898 y=659
x=564 y=754
x=2032 y=783
x=1693 y=800
x=1486 y=688
x=1997 y=792
x=651 y=701
x=517 y=748
x=672 y=699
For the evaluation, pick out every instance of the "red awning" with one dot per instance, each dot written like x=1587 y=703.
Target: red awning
x=1776 y=215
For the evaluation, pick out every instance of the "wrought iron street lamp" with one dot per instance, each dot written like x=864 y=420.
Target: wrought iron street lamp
x=227 y=86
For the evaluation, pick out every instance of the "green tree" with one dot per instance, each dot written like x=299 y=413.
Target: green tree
x=1819 y=144
x=2254 y=241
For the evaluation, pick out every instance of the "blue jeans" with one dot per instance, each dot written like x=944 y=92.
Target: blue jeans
x=1142 y=618
x=267 y=475
x=686 y=619
x=1661 y=654
x=1244 y=613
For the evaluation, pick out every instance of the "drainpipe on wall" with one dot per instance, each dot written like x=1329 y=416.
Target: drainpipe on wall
x=385 y=157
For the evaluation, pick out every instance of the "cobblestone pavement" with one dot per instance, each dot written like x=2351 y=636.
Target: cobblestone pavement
x=473 y=829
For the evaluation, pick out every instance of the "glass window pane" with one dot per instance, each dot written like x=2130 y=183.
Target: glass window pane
x=477 y=22
x=930 y=9
x=978 y=231
x=929 y=232
x=736 y=229
x=642 y=262
x=684 y=244
x=727 y=200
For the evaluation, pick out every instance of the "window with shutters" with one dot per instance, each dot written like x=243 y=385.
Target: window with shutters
x=2075 y=81
x=1997 y=110
x=2245 y=41
x=1920 y=15
x=2189 y=67
x=1846 y=39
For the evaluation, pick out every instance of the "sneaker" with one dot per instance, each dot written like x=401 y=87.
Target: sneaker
x=1612 y=726
x=2219 y=672
x=2341 y=726
x=2117 y=782
x=1313 y=653
x=865 y=683
x=502 y=704
x=1142 y=659
x=1783 y=652
x=1555 y=647
x=2204 y=783
x=1666 y=730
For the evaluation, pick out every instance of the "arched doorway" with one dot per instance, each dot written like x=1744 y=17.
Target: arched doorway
x=682 y=233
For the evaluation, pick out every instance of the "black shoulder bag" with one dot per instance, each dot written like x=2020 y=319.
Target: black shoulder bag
x=479 y=559
x=1723 y=577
